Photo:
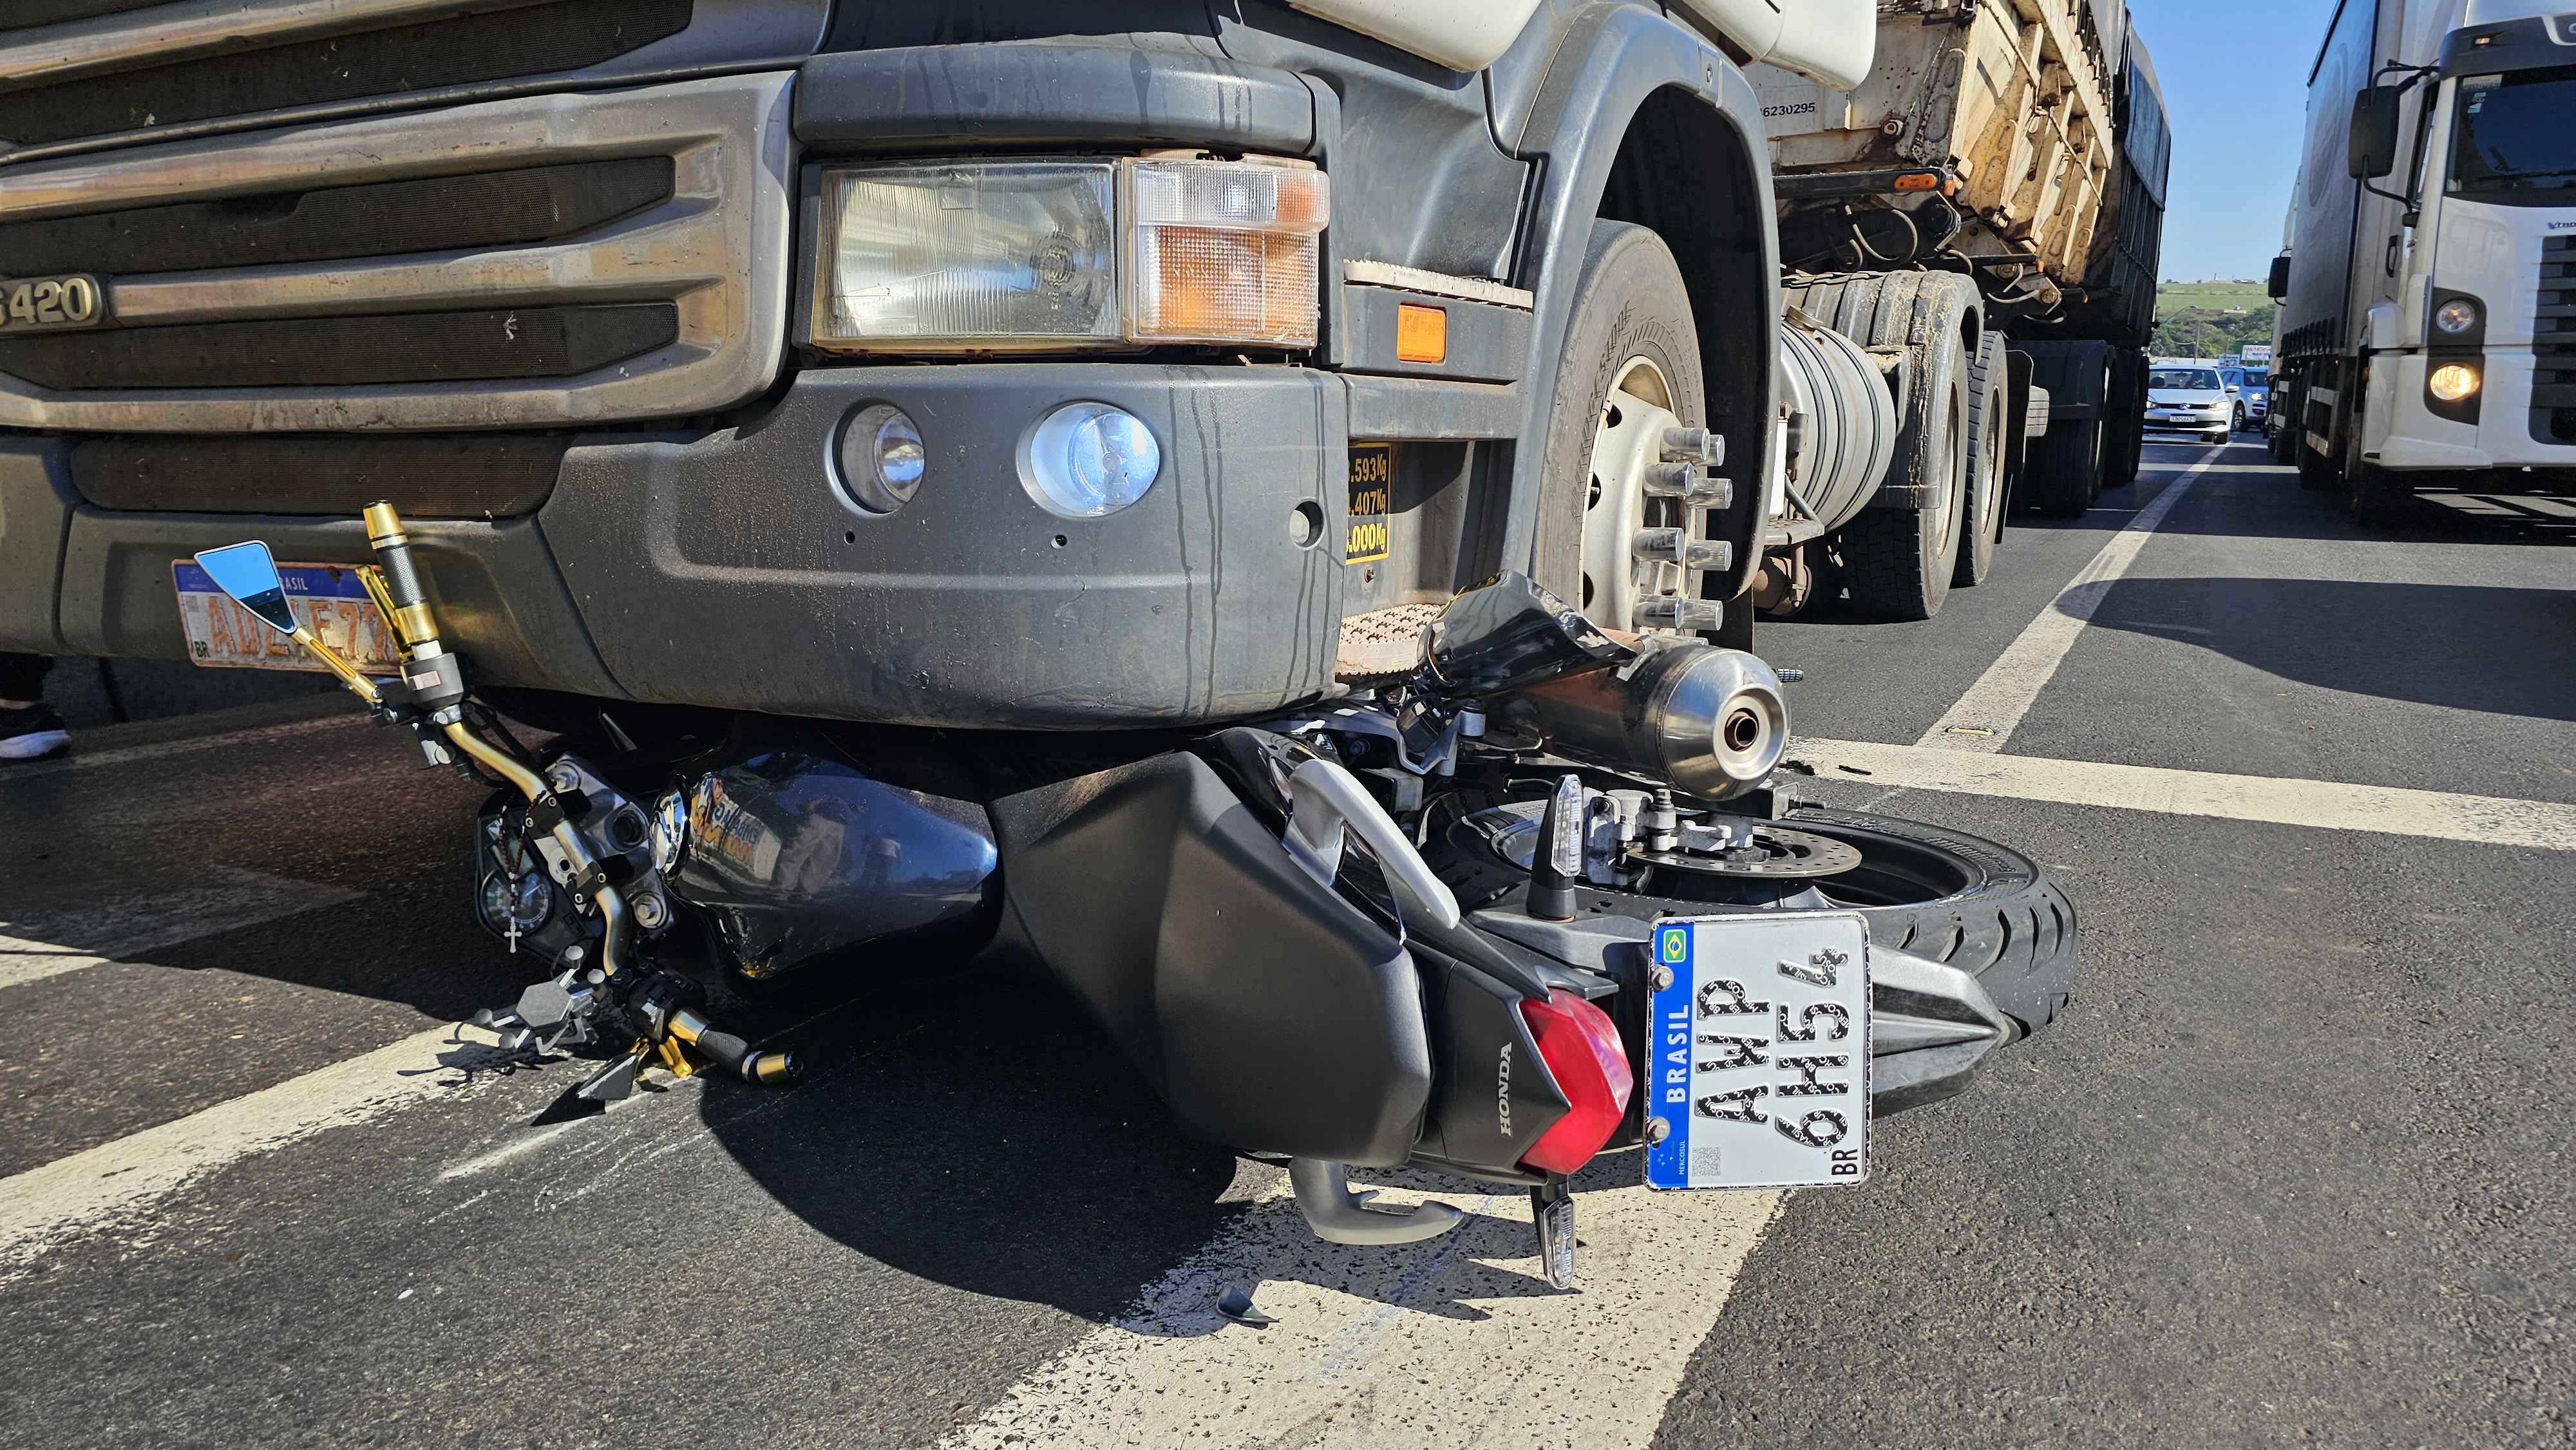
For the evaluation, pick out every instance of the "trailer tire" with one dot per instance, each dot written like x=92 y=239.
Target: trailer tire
x=2064 y=474
x=1901 y=560
x=1989 y=419
x=1629 y=304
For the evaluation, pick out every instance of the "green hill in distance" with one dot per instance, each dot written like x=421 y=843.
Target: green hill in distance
x=2209 y=319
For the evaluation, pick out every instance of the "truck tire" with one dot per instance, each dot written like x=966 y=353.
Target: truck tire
x=1989 y=419
x=1899 y=558
x=2064 y=474
x=1631 y=320
x=1960 y=900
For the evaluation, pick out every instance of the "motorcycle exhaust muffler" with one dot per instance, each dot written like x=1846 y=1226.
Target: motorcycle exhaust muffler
x=1710 y=721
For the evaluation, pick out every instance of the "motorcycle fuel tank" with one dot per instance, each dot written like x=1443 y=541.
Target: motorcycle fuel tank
x=795 y=853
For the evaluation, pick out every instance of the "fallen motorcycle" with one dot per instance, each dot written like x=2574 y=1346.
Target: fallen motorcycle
x=1532 y=902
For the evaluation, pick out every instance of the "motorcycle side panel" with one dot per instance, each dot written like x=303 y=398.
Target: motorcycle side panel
x=795 y=854
x=1267 y=1012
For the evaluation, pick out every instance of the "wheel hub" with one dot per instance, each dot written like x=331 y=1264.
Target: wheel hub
x=1617 y=505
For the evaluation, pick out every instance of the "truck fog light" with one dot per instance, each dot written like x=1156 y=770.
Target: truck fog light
x=882 y=458
x=2456 y=316
x=1089 y=460
x=2453 y=381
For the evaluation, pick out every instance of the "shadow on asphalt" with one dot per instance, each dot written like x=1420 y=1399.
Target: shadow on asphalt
x=2500 y=651
x=980 y=1132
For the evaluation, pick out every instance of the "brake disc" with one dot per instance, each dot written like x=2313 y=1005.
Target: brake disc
x=1774 y=851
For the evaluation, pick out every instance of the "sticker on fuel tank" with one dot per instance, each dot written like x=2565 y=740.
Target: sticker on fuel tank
x=1372 y=499
x=1758 y=1056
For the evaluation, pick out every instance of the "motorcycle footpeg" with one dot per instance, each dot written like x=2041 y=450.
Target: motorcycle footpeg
x=1339 y=1216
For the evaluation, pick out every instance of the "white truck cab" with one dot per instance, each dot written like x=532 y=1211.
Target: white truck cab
x=2423 y=334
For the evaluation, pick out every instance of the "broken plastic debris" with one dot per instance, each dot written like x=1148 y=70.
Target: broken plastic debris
x=1237 y=1305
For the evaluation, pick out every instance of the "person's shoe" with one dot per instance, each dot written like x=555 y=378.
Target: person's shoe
x=32 y=732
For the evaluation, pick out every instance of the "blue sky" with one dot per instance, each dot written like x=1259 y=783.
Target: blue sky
x=2235 y=76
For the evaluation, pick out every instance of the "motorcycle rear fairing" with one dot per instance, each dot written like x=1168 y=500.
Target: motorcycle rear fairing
x=1268 y=1012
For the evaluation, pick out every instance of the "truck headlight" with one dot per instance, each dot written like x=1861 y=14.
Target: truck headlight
x=990 y=256
x=1060 y=255
x=2456 y=316
x=2452 y=381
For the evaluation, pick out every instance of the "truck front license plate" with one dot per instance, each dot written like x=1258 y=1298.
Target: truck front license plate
x=327 y=599
x=1757 y=1062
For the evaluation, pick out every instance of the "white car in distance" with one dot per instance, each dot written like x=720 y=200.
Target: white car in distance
x=2189 y=400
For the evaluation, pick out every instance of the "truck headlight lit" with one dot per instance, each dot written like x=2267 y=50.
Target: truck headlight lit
x=2456 y=316
x=1089 y=460
x=1225 y=251
x=882 y=458
x=2452 y=381
x=1059 y=255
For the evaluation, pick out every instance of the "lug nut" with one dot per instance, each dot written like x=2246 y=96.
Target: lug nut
x=1676 y=546
x=1684 y=481
x=1686 y=615
x=1694 y=445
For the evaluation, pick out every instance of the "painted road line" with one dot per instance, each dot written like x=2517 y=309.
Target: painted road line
x=128 y=755
x=103 y=1186
x=66 y=936
x=1986 y=716
x=1457 y=1341
x=2322 y=804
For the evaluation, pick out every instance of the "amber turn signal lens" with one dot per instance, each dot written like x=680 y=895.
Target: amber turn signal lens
x=1421 y=334
x=1920 y=181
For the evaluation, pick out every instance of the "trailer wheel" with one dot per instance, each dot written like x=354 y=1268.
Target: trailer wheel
x=1630 y=368
x=1902 y=559
x=1989 y=416
x=2064 y=474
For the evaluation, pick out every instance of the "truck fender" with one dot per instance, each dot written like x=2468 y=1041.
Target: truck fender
x=1613 y=63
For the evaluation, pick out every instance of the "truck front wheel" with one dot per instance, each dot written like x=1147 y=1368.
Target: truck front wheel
x=1630 y=369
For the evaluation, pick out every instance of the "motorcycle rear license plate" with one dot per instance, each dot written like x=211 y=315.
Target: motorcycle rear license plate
x=1758 y=1055
x=327 y=599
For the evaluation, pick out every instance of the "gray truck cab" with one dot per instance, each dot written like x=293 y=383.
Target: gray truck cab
x=1009 y=365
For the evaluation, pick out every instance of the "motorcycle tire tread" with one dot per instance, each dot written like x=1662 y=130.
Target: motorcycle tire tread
x=2013 y=928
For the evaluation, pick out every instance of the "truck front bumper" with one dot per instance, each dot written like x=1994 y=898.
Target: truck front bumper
x=728 y=567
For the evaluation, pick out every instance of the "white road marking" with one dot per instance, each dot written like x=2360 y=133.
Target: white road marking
x=1457 y=1341
x=127 y=755
x=51 y=940
x=1986 y=716
x=2322 y=804
x=98 y=1187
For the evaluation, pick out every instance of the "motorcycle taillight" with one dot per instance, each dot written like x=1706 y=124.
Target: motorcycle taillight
x=1583 y=1052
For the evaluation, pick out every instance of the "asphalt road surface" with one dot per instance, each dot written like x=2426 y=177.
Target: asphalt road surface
x=2293 y=1170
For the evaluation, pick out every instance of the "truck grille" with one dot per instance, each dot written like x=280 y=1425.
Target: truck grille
x=529 y=262
x=524 y=39
x=2553 y=363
